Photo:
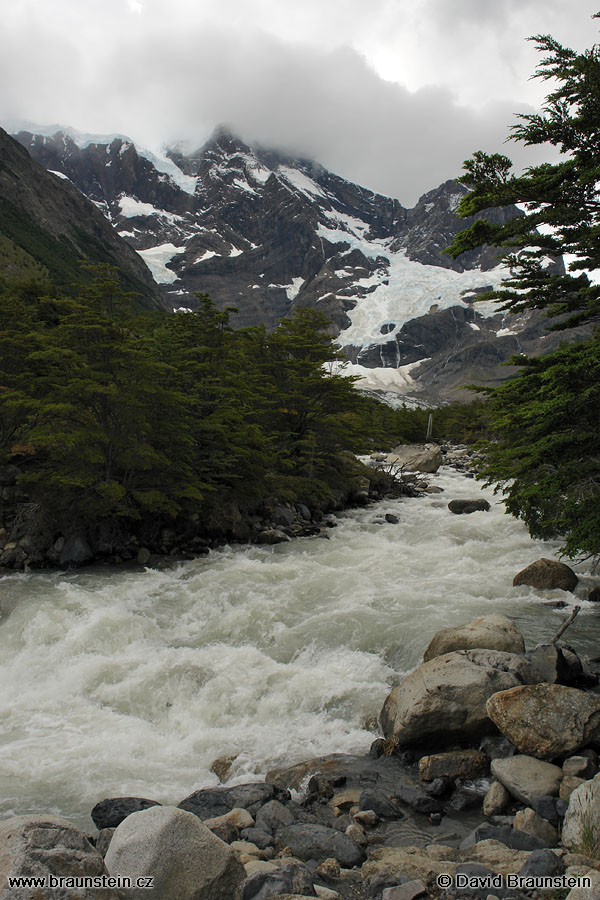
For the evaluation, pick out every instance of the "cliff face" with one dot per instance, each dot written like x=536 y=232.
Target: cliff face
x=46 y=222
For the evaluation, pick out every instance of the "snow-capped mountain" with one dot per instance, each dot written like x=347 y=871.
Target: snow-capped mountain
x=263 y=233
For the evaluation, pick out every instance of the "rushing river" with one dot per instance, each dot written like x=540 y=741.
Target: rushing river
x=117 y=682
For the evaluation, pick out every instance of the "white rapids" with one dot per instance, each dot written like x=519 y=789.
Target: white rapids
x=118 y=682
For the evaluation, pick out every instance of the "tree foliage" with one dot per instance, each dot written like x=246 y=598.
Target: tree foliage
x=545 y=455
x=113 y=415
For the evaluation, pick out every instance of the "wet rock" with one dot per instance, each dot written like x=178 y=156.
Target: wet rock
x=496 y=746
x=286 y=879
x=510 y=837
x=547 y=807
x=222 y=766
x=283 y=516
x=546 y=720
x=465 y=507
x=209 y=803
x=76 y=551
x=542 y=862
x=378 y=802
x=526 y=778
x=417 y=798
x=528 y=821
x=465 y=798
x=453 y=764
x=547 y=574
x=143 y=556
x=186 y=860
x=308 y=841
x=346 y=799
x=272 y=536
x=581 y=827
x=110 y=813
x=273 y=816
x=262 y=839
x=40 y=846
x=496 y=801
x=494 y=632
x=440 y=786
x=366 y=817
x=445 y=699
x=391 y=519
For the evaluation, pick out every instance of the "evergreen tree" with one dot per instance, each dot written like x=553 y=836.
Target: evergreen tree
x=545 y=456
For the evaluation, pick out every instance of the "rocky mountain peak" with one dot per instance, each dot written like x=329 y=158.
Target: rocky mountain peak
x=264 y=232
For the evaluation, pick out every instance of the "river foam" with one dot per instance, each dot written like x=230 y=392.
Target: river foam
x=117 y=682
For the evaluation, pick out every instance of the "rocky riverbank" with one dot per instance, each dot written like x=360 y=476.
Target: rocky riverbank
x=30 y=538
x=485 y=778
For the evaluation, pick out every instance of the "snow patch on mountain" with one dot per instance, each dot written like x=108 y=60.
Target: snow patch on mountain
x=131 y=207
x=156 y=258
x=388 y=380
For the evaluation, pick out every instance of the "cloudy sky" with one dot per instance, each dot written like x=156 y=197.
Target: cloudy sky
x=393 y=94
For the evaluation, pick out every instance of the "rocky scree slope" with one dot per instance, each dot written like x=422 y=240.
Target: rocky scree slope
x=264 y=232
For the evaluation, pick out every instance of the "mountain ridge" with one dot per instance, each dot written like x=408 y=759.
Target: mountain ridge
x=264 y=232
x=47 y=220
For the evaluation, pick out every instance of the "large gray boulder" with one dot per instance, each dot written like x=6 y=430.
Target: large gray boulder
x=445 y=699
x=527 y=779
x=546 y=720
x=186 y=860
x=581 y=826
x=40 y=846
x=547 y=574
x=493 y=632
x=416 y=457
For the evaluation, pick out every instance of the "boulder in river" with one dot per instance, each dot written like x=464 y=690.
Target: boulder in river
x=40 y=846
x=527 y=778
x=445 y=699
x=493 y=632
x=416 y=457
x=546 y=720
x=546 y=575
x=185 y=859
x=110 y=813
x=465 y=507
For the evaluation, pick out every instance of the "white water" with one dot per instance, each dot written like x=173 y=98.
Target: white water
x=123 y=682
